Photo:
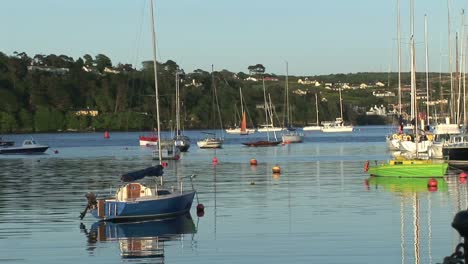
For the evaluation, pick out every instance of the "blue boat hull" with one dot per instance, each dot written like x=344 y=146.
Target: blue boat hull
x=23 y=150
x=158 y=207
x=182 y=224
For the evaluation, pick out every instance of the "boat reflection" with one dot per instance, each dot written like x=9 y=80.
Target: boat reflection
x=143 y=239
x=408 y=185
x=415 y=222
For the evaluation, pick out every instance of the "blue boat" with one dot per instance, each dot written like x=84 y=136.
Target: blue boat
x=134 y=200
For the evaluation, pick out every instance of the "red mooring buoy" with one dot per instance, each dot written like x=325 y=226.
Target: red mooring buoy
x=432 y=184
x=253 y=162
x=463 y=175
x=106 y=134
x=214 y=160
x=200 y=210
x=164 y=164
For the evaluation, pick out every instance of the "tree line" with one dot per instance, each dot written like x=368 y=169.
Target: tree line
x=44 y=93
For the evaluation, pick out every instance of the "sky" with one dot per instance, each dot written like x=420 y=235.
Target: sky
x=315 y=37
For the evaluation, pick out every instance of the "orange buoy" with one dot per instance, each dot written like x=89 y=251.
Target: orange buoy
x=106 y=134
x=253 y=162
x=276 y=169
x=463 y=174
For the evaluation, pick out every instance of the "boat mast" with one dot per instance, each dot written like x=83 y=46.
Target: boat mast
x=266 y=109
x=413 y=81
x=427 y=70
x=288 y=113
x=271 y=116
x=399 y=59
x=452 y=92
x=341 y=106
x=155 y=67
x=316 y=108
x=177 y=103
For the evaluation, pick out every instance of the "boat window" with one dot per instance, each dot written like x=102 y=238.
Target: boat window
x=163 y=192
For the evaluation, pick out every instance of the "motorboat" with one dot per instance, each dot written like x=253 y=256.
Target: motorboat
x=29 y=147
x=148 y=140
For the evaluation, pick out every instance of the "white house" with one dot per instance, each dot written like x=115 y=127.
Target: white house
x=379 y=84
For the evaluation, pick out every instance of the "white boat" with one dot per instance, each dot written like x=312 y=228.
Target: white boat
x=211 y=140
x=337 y=126
x=269 y=128
x=238 y=131
x=317 y=127
x=442 y=136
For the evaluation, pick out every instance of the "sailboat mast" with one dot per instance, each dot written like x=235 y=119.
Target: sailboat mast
x=156 y=90
x=427 y=69
x=316 y=108
x=266 y=109
x=452 y=91
x=177 y=103
x=242 y=105
x=413 y=80
x=399 y=59
x=341 y=105
x=288 y=114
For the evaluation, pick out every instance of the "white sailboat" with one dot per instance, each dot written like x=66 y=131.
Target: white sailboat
x=242 y=130
x=211 y=140
x=317 y=127
x=181 y=141
x=291 y=136
x=338 y=125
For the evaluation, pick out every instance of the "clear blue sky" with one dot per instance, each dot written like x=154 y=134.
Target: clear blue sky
x=314 y=36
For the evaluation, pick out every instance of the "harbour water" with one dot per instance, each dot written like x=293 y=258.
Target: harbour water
x=322 y=208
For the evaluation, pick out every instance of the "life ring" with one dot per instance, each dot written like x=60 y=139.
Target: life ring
x=408 y=138
x=400 y=137
x=395 y=136
x=429 y=137
x=366 y=166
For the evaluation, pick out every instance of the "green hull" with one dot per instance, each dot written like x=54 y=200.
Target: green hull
x=410 y=170
x=406 y=185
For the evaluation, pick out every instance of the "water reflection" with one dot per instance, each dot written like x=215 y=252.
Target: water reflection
x=140 y=240
x=411 y=193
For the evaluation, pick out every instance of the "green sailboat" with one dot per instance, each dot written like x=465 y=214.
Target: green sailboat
x=410 y=168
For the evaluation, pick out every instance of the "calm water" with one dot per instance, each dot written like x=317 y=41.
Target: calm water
x=320 y=209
